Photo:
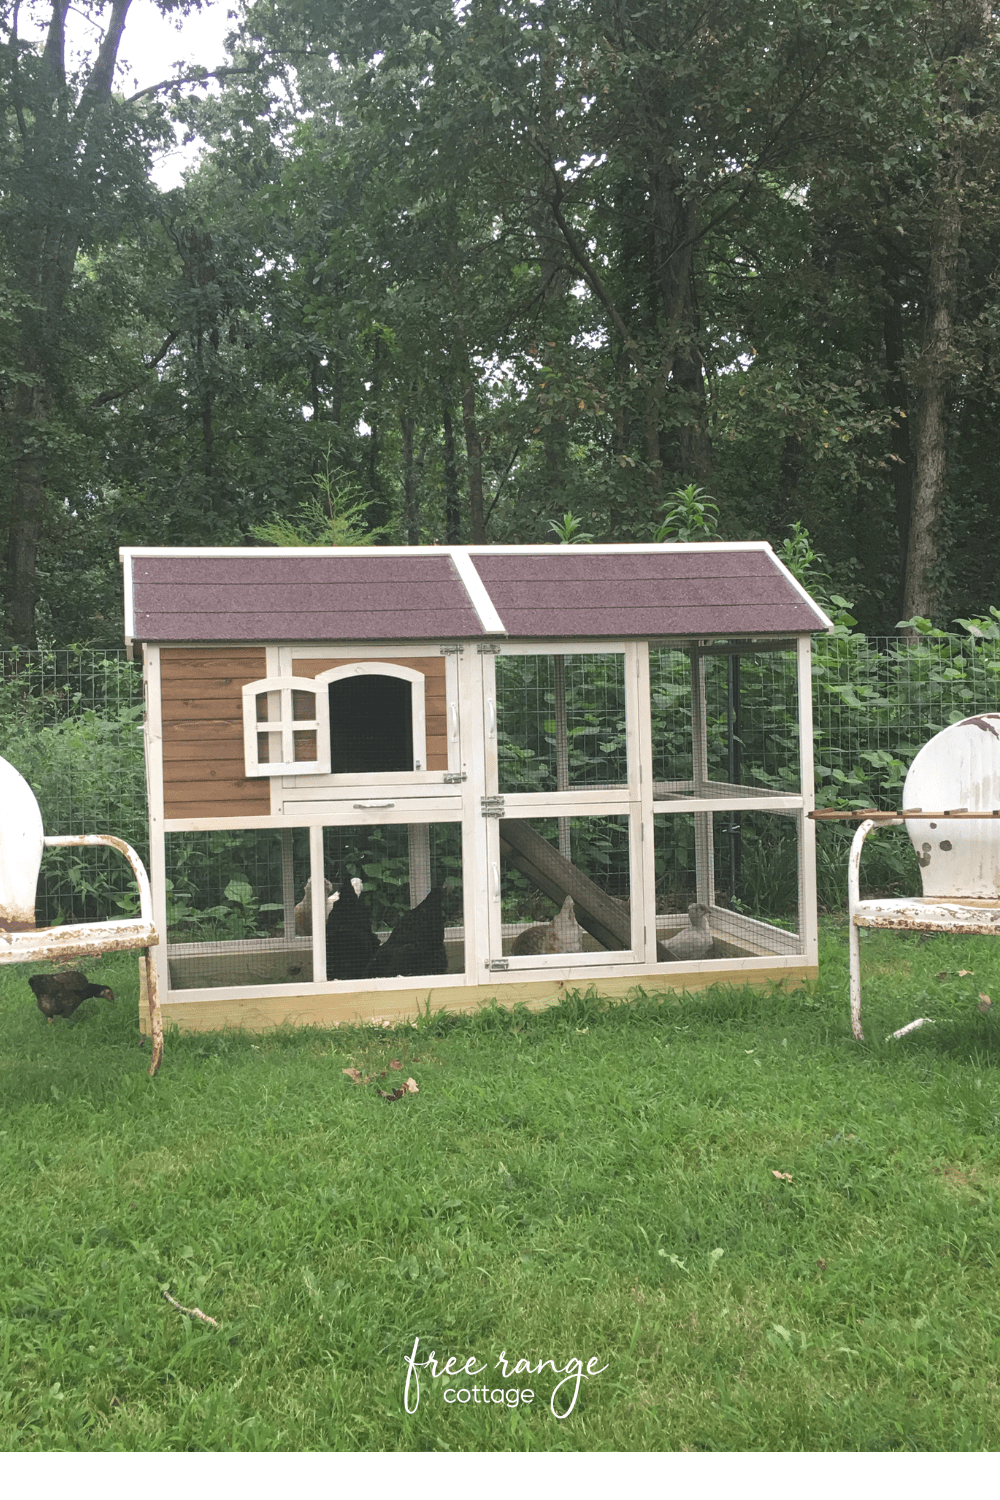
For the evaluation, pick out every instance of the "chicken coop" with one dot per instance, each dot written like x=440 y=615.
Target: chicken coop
x=386 y=779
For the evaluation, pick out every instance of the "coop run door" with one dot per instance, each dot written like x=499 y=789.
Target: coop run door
x=728 y=808
x=562 y=773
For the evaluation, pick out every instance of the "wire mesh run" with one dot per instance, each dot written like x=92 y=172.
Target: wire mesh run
x=232 y=902
x=731 y=876
x=546 y=860
x=410 y=917
x=751 y=727
x=561 y=722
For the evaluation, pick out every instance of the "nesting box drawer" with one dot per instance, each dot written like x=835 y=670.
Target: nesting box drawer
x=357 y=809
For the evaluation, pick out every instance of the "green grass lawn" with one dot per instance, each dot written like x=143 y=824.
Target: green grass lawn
x=591 y=1183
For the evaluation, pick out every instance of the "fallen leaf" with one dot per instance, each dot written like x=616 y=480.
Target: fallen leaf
x=785 y=1176
x=352 y=1073
x=962 y=972
x=943 y=974
x=395 y=1064
x=822 y=1264
x=984 y=1002
x=410 y=1086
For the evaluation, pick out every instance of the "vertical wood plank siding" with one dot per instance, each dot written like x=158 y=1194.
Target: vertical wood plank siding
x=203 y=766
x=435 y=699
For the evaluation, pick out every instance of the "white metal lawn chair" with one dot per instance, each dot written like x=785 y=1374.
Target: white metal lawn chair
x=951 y=809
x=22 y=840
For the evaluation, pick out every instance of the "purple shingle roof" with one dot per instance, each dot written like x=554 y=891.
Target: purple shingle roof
x=423 y=593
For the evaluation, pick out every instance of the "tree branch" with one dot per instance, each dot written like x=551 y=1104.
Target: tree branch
x=201 y=76
x=98 y=85
x=148 y=364
x=16 y=75
x=583 y=261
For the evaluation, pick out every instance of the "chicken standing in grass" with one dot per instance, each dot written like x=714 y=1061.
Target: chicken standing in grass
x=694 y=941
x=60 y=994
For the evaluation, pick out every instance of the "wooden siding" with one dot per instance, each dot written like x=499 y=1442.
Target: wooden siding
x=202 y=706
x=432 y=669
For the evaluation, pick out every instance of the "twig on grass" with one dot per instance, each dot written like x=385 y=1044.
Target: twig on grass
x=191 y=1312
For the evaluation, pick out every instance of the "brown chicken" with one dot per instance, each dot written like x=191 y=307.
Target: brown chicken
x=60 y=994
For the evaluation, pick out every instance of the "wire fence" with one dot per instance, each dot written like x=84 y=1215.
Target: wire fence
x=71 y=722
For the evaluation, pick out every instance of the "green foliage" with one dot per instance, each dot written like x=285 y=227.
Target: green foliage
x=336 y=516
x=570 y=529
x=693 y=517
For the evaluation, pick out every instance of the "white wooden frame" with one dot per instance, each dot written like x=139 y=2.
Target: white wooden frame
x=279 y=692
x=320 y=800
x=290 y=789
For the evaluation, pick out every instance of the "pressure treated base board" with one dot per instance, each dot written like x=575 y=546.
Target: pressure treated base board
x=406 y=1004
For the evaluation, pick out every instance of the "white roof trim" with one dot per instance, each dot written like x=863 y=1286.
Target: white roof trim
x=474 y=586
x=126 y=557
x=538 y=549
x=804 y=594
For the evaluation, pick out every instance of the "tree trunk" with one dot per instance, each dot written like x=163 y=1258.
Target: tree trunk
x=920 y=591
x=474 y=454
x=898 y=394
x=675 y=233
x=411 y=502
x=42 y=275
x=452 y=502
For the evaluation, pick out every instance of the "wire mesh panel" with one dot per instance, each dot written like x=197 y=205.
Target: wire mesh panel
x=232 y=901
x=537 y=876
x=727 y=885
x=561 y=721
x=670 y=702
x=752 y=719
x=409 y=916
x=750 y=726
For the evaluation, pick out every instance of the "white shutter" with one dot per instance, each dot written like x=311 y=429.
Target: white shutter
x=286 y=727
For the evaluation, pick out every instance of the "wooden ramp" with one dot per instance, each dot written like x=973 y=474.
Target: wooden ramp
x=607 y=920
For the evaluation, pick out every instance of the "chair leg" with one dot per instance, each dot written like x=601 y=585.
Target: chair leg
x=854 y=951
x=155 y=1018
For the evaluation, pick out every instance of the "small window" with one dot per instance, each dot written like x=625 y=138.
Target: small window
x=285 y=727
x=377 y=718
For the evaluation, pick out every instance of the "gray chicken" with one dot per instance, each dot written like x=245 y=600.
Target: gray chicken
x=694 y=941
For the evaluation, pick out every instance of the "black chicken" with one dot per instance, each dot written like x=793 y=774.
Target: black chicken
x=416 y=943
x=350 y=942
x=60 y=994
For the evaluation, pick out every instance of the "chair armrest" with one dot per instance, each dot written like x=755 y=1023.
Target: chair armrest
x=138 y=868
x=854 y=859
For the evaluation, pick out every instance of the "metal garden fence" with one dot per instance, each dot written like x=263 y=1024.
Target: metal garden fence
x=71 y=722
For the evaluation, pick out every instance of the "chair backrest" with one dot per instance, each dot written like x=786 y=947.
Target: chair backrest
x=20 y=850
x=958 y=768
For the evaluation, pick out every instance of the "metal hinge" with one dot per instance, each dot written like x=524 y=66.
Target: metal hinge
x=452 y=650
x=495 y=964
x=487 y=648
x=492 y=807
x=451 y=778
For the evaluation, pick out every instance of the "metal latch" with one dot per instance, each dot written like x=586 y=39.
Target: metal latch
x=452 y=778
x=487 y=648
x=452 y=650
x=497 y=964
x=492 y=807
